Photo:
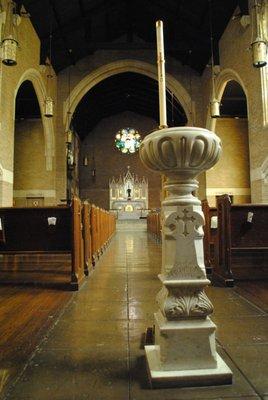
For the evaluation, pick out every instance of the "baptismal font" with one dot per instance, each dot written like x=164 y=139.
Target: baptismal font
x=184 y=353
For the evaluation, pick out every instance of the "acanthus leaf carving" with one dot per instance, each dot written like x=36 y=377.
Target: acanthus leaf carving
x=186 y=303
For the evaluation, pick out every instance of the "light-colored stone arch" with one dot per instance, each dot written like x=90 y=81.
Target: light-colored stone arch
x=1 y=185
x=221 y=81
x=35 y=77
x=117 y=67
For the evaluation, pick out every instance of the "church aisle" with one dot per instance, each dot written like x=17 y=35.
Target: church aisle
x=95 y=352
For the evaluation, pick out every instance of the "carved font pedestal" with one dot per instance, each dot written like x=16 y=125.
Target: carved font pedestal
x=184 y=353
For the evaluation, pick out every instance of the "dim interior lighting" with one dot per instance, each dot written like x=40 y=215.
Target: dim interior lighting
x=258 y=43
x=10 y=43
x=127 y=140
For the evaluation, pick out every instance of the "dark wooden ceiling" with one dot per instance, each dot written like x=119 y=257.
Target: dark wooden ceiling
x=124 y=92
x=85 y=26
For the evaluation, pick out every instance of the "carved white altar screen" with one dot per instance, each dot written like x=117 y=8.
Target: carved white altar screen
x=128 y=193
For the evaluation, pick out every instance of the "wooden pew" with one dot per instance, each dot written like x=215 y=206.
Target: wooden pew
x=103 y=225
x=242 y=246
x=94 y=233
x=154 y=224
x=42 y=246
x=87 y=238
x=210 y=236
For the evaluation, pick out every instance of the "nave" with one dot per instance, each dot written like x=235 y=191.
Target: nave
x=89 y=344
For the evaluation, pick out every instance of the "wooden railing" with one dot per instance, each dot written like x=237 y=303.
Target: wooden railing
x=52 y=245
x=154 y=224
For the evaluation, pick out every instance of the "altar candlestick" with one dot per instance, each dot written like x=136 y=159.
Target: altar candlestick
x=161 y=74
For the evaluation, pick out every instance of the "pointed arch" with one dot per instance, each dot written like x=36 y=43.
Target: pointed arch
x=118 y=67
x=221 y=81
x=36 y=79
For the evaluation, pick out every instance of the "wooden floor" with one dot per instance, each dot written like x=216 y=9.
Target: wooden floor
x=26 y=314
x=58 y=345
x=44 y=270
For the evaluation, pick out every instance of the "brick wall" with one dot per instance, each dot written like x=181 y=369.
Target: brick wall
x=110 y=162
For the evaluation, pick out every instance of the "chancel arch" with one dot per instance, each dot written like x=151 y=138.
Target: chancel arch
x=121 y=66
x=232 y=173
x=123 y=100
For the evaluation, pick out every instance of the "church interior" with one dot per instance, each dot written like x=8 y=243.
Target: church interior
x=133 y=199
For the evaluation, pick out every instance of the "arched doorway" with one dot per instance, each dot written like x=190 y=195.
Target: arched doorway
x=127 y=99
x=232 y=173
x=31 y=176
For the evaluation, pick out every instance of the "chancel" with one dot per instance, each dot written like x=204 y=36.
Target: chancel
x=129 y=195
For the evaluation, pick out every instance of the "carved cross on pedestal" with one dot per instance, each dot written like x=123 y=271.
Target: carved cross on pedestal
x=185 y=220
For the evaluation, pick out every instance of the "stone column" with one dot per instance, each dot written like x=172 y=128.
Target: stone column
x=184 y=353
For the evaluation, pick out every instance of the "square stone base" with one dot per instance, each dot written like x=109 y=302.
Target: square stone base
x=221 y=375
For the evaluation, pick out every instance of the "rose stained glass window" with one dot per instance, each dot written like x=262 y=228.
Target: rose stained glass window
x=127 y=140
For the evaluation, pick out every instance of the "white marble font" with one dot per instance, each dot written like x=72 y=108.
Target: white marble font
x=185 y=349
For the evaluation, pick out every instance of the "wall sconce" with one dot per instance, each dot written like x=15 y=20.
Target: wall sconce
x=93 y=169
x=258 y=43
x=10 y=43
x=85 y=161
x=70 y=159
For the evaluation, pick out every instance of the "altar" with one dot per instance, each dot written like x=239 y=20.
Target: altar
x=129 y=196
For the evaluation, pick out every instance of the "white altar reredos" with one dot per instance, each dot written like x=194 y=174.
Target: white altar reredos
x=129 y=196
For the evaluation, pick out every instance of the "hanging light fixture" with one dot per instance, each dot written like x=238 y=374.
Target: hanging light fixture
x=93 y=165
x=10 y=42
x=69 y=131
x=214 y=103
x=49 y=103
x=258 y=44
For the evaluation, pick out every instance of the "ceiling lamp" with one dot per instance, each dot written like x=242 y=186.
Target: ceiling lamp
x=127 y=140
x=258 y=44
x=214 y=103
x=10 y=43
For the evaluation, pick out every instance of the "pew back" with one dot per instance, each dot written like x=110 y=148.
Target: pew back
x=242 y=248
x=210 y=235
x=42 y=245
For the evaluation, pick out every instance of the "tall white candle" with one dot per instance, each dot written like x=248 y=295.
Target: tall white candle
x=161 y=74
